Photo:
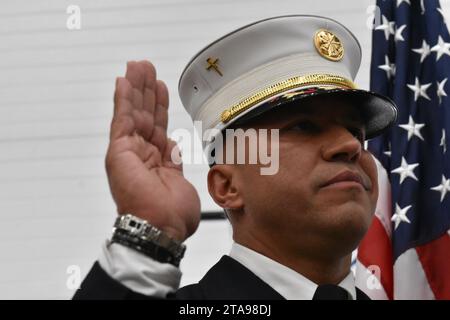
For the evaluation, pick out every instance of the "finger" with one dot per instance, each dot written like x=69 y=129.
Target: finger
x=162 y=94
x=159 y=138
x=122 y=123
x=159 y=134
x=149 y=86
x=135 y=76
x=123 y=97
x=162 y=105
x=144 y=122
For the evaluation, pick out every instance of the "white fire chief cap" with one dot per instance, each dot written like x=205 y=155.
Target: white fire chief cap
x=275 y=61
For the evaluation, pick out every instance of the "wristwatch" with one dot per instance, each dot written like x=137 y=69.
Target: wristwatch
x=140 y=235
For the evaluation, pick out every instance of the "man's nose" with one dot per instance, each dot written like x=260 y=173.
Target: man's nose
x=341 y=145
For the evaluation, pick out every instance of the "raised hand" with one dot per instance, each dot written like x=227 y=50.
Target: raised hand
x=143 y=179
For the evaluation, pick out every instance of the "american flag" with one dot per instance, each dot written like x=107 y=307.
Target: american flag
x=406 y=253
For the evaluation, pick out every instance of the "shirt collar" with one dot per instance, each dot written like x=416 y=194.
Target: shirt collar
x=287 y=282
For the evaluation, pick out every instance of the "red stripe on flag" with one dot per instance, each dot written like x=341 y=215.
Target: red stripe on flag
x=435 y=259
x=376 y=249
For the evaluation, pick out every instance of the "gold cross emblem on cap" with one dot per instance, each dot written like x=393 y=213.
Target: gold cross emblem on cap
x=212 y=63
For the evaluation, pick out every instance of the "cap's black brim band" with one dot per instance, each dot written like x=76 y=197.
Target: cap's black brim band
x=379 y=112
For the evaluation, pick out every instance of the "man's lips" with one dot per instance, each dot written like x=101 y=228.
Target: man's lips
x=347 y=176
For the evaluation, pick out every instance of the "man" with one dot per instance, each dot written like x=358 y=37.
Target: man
x=294 y=230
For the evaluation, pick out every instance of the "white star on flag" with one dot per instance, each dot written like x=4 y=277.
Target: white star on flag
x=420 y=90
x=413 y=128
x=441 y=48
x=440 y=91
x=399 y=2
x=398 y=33
x=400 y=215
x=406 y=170
x=443 y=188
x=424 y=51
x=388 y=67
x=387 y=26
x=443 y=143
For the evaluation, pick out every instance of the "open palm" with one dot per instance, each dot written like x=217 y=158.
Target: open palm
x=143 y=179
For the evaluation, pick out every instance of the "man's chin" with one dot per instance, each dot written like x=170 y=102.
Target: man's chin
x=347 y=223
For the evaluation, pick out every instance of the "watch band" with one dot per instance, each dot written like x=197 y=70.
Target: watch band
x=145 y=247
x=138 y=234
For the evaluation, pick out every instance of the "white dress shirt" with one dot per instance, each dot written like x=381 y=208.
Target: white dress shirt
x=138 y=272
x=147 y=276
x=287 y=282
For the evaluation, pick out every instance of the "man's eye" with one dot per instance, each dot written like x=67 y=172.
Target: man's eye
x=305 y=126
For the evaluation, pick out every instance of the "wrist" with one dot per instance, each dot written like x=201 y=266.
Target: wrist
x=140 y=235
x=177 y=233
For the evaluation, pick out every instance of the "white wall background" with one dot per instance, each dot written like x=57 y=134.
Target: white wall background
x=56 y=89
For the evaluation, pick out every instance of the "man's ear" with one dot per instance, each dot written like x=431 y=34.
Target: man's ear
x=223 y=186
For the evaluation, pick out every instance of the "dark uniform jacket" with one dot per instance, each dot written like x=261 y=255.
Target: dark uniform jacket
x=227 y=279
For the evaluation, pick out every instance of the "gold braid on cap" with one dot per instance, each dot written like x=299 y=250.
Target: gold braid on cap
x=280 y=87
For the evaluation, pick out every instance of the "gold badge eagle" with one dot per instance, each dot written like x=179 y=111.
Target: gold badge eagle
x=328 y=45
